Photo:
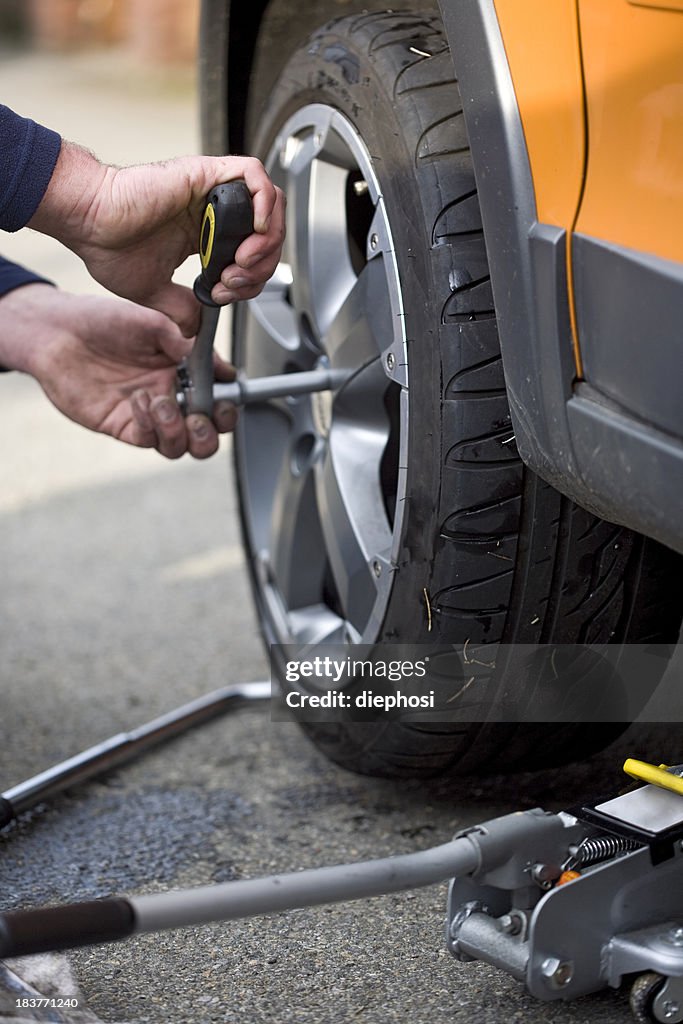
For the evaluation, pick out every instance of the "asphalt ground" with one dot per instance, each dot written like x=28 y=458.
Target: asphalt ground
x=124 y=594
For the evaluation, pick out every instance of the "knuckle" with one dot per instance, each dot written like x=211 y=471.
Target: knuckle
x=255 y=164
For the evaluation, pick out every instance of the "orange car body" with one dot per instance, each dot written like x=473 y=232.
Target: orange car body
x=600 y=93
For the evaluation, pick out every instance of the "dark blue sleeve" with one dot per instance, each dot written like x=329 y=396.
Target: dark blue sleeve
x=13 y=276
x=28 y=154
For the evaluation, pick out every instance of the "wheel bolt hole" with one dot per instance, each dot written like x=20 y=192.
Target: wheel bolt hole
x=302 y=453
x=308 y=334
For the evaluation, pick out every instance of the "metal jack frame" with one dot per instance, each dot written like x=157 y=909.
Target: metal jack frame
x=596 y=906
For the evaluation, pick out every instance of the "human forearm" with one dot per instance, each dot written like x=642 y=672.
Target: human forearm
x=69 y=206
x=19 y=339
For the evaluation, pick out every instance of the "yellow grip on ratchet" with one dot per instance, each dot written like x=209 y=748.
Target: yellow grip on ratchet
x=206 y=235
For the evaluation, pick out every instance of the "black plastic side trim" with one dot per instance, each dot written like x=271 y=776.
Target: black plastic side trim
x=632 y=473
x=527 y=259
x=629 y=307
x=81 y=924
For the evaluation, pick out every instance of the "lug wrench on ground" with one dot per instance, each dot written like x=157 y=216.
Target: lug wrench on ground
x=227 y=221
x=124 y=747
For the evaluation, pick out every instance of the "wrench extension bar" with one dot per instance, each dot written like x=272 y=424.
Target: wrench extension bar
x=282 y=385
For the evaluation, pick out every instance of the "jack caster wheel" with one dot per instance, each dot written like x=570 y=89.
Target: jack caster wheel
x=644 y=993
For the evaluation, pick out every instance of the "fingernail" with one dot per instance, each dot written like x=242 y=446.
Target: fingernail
x=200 y=431
x=262 y=226
x=140 y=400
x=165 y=411
x=224 y=413
x=235 y=282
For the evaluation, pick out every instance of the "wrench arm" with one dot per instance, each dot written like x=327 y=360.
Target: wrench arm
x=195 y=374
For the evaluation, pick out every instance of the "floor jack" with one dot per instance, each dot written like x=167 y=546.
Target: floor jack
x=568 y=903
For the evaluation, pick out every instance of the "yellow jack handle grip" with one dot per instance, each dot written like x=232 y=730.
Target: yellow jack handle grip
x=656 y=775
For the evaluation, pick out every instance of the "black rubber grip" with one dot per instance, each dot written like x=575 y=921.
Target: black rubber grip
x=6 y=812
x=80 y=924
x=228 y=220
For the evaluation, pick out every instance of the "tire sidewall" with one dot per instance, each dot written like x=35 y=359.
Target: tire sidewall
x=312 y=77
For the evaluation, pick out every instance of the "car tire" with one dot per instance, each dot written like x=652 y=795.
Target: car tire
x=484 y=553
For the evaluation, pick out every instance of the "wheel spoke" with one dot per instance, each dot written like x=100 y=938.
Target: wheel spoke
x=315 y=625
x=352 y=515
x=297 y=559
x=272 y=342
x=317 y=245
x=362 y=326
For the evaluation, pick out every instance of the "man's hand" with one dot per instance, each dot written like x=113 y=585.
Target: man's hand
x=133 y=226
x=110 y=366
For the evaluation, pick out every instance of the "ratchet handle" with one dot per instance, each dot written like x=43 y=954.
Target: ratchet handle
x=228 y=219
